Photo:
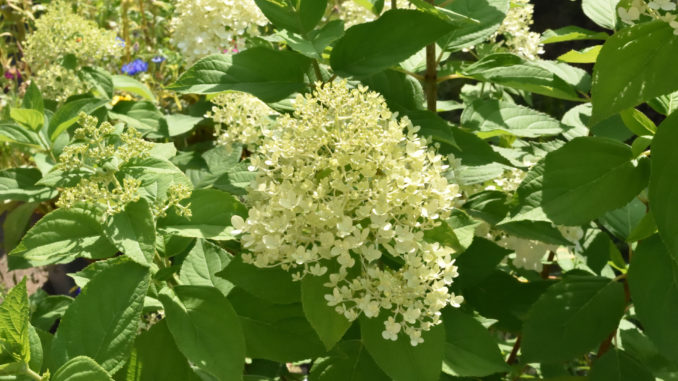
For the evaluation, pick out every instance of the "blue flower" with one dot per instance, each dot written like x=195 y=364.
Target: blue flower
x=158 y=59
x=134 y=67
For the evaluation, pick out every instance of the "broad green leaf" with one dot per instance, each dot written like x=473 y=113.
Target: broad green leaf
x=470 y=349
x=60 y=237
x=15 y=134
x=571 y=33
x=663 y=182
x=132 y=231
x=68 y=114
x=602 y=12
x=46 y=309
x=156 y=357
x=621 y=221
x=638 y=122
x=15 y=224
x=156 y=176
x=589 y=176
x=314 y=44
x=36 y=349
x=599 y=251
x=399 y=359
x=131 y=85
x=491 y=118
x=646 y=227
x=179 y=124
x=328 y=323
x=81 y=368
x=572 y=317
x=201 y=265
x=369 y=48
x=100 y=79
x=14 y=325
x=206 y=330
x=18 y=184
x=478 y=262
x=211 y=212
x=645 y=50
x=250 y=71
x=653 y=280
x=663 y=104
x=28 y=118
x=84 y=276
x=587 y=55
x=271 y=284
x=33 y=98
x=489 y=13
x=297 y=16
x=617 y=365
x=277 y=332
x=348 y=361
x=102 y=321
x=142 y=115
x=513 y=71
x=226 y=171
x=401 y=91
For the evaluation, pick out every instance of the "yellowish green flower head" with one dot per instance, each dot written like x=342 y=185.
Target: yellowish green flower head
x=97 y=155
x=345 y=188
x=240 y=118
x=58 y=33
x=204 y=27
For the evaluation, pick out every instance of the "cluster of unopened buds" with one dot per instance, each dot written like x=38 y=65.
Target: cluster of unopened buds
x=664 y=10
x=346 y=190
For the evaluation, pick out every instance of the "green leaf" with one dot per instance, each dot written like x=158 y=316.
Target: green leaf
x=47 y=309
x=489 y=13
x=156 y=176
x=572 y=317
x=492 y=118
x=599 y=251
x=100 y=79
x=297 y=16
x=60 y=237
x=131 y=85
x=132 y=231
x=638 y=122
x=328 y=323
x=81 y=368
x=33 y=98
x=249 y=71
x=68 y=114
x=314 y=44
x=399 y=359
x=470 y=350
x=15 y=225
x=201 y=265
x=156 y=357
x=401 y=91
x=645 y=49
x=211 y=212
x=369 y=48
x=36 y=349
x=587 y=55
x=513 y=71
x=84 y=276
x=28 y=118
x=478 y=262
x=653 y=280
x=271 y=284
x=571 y=33
x=665 y=104
x=18 y=184
x=602 y=12
x=589 y=176
x=277 y=332
x=142 y=115
x=14 y=325
x=206 y=330
x=16 y=134
x=179 y=124
x=617 y=365
x=226 y=171
x=663 y=182
x=348 y=361
x=102 y=321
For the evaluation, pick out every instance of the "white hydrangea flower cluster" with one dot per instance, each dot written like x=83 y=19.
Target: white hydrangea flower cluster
x=246 y=119
x=664 y=10
x=515 y=30
x=353 y=13
x=97 y=157
x=60 y=32
x=342 y=188
x=204 y=27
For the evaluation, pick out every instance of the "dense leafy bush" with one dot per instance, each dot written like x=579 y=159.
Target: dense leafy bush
x=340 y=190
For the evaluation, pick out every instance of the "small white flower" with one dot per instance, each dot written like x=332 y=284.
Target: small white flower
x=392 y=329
